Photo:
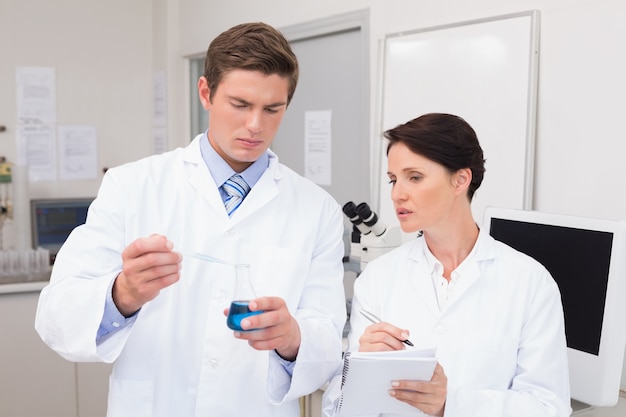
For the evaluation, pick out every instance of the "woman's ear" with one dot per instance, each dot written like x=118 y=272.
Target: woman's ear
x=462 y=179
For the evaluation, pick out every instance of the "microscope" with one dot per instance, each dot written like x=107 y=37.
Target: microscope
x=370 y=237
x=7 y=238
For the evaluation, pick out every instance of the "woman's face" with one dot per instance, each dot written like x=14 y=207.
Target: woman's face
x=423 y=192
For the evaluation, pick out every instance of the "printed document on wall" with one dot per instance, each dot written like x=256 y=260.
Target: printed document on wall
x=36 y=148
x=317 y=146
x=36 y=95
x=77 y=152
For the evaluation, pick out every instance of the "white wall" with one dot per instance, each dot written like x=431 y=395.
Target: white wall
x=581 y=83
x=102 y=54
x=105 y=55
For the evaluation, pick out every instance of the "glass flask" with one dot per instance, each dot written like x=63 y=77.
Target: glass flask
x=243 y=294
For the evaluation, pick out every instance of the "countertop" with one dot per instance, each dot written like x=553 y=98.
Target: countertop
x=23 y=282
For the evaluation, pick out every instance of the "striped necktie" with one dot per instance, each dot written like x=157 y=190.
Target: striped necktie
x=236 y=189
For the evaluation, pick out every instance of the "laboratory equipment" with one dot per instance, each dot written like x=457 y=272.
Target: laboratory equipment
x=376 y=238
x=242 y=295
x=7 y=226
x=587 y=259
x=53 y=219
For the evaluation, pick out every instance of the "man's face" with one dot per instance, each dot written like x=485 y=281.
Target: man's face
x=245 y=114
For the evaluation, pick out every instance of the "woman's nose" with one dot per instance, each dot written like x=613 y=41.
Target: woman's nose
x=397 y=192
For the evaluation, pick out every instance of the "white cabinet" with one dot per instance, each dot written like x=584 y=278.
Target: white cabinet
x=34 y=380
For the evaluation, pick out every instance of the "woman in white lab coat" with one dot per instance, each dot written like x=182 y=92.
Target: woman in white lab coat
x=493 y=314
x=172 y=351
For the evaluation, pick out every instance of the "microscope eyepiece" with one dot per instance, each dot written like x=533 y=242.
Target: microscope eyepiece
x=350 y=210
x=370 y=219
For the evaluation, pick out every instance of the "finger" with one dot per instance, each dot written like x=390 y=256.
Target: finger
x=153 y=265
x=398 y=333
x=267 y=304
x=154 y=243
x=283 y=337
x=376 y=338
x=274 y=313
x=152 y=252
x=265 y=344
x=439 y=372
x=428 y=396
x=274 y=321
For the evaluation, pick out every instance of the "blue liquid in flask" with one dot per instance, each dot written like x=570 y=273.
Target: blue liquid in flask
x=238 y=311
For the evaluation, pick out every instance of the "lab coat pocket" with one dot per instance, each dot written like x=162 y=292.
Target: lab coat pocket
x=130 y=398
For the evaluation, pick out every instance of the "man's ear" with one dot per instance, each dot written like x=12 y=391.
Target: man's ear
x=204 y=93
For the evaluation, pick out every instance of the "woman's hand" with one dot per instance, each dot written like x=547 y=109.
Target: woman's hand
x=382 y=336
x=428 y=396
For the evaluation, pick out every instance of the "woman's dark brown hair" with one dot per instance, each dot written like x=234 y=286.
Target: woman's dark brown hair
x=446 y=139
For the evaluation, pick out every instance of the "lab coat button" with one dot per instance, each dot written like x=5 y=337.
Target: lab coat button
x=229 y=233
x=213 y=363
x=220 y=296
x=440 y=329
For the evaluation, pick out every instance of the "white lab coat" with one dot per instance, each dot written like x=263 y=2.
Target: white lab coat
x=500 y=337
x=179 y=358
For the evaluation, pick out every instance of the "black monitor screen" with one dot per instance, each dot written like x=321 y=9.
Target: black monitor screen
x=54 y=220
x=578 y=260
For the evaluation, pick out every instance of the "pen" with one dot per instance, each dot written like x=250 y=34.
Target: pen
x=375 y=320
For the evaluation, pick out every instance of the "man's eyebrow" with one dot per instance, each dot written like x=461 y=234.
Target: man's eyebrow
x=242 y=101
x=278 y=104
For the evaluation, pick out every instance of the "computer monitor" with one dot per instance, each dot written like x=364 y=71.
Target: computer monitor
x=587 y=259
x=52 y=220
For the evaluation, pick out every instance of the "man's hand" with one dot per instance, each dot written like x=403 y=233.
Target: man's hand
x=274 y=329
x=148 y=266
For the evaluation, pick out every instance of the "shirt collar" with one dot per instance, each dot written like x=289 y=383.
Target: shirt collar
x=221 y=171
x=435 y=265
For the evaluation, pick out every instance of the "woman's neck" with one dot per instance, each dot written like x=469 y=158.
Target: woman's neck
x=452 y=245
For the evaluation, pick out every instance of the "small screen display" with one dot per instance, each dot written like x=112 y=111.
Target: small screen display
x=578 y=260
x=54 y=220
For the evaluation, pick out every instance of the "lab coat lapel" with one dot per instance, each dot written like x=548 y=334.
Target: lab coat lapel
x=200 y=178
x=264 y=191
x=420 y=277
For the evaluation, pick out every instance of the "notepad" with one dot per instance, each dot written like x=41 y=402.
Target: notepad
x=367 y=378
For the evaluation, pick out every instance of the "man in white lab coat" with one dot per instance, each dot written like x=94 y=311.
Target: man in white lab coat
x=129 y=287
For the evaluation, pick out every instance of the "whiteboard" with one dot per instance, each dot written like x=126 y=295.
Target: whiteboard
x=484 y=71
